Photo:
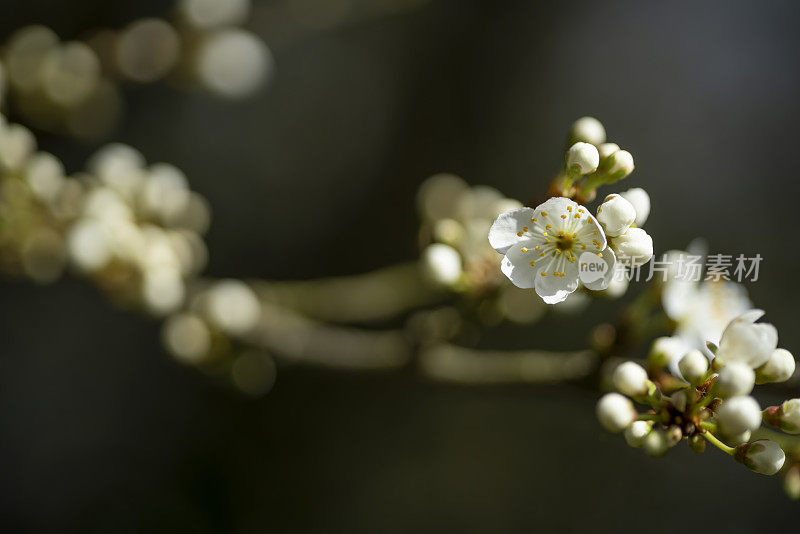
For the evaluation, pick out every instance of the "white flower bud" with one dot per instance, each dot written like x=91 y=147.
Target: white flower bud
x=588 y=130
x=641 y=203
x=616 y=215
x=582 y=158
x=606 y=149
x=631 y=379
x=738 y=439
x=636 y=432
x=615 y=412
x=739 y=414
x=656 y=443
x=735 y=379
x=762 y=456
x=779 y=367
x=786 y=416
x=620 y=164
x=791 y=416
x=693 y=366
x=442 y=264
x=634 y=247
x=665 y=350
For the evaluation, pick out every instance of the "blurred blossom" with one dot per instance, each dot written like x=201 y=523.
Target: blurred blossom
x=187 y=338
x=207 y=14
x=163 y=289
x=16 y=145
x=43 y=256
x=232 y=306
x=96 y=116
x=232 y=63
x=70 y=73
x=26 y=52
x=254 y=373
x=147 y=50
x=44 y=174
x=89 y=245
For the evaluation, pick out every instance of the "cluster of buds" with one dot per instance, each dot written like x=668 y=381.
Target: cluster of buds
x=455 y=217
x=590 y=162
x=73 y=87
x=711 y=399
x=559 y=246
x=135 y=230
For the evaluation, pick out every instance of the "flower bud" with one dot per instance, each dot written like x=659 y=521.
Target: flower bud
x=697 y=443
x=636 y=432
x=631 y=379
x=738 y=439
x=615 y=215
x=791 y=482
x=735 y=379
x=739 y=414
x=656 y=443
x=762 y=456
x=619 y=165
x=640 y=200
x=582 y=158
x=786 y=416
x=442 y=264
x=693 y=366
x=634 y=247
x=779 y=367
x=615 y=412
x=606 y=149
x=588 y=130
x=664 y=351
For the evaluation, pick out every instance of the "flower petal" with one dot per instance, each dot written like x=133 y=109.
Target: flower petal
x=602 y=283
x=555 y=289
x=517 y=265
x=748 y=342
x=511 y=228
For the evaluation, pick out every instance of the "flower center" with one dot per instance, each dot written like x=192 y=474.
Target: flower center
x=564 y=243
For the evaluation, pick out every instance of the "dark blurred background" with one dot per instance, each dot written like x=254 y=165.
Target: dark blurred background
x=103 y=432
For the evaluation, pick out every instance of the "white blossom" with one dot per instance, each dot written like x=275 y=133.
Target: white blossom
x=615 y=412
x=762 y=456
x=631 y=379
x=735 y=379
x=640 y=200
x=616 y=215
x=635 y=247
x=582 y=158
x=542 y=247
x=701 y=310
x=739 y=414
x=746 y=341
x=778 y=368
